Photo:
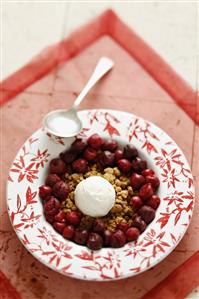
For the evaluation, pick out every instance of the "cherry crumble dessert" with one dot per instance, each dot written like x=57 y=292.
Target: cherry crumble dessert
x=99 y=195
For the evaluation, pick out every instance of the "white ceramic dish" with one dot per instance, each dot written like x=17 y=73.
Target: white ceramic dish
x=173 y=216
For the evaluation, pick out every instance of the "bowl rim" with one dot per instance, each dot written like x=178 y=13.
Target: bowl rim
x=128 y=274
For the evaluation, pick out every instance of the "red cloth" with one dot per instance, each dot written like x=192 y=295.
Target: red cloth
x=7 y=291
x=179 y=283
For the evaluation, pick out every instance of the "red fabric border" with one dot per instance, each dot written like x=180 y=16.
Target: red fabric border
x=179 y=283
x=179 y=90
x=50 y=57
x=108 y=23
x=7 y=291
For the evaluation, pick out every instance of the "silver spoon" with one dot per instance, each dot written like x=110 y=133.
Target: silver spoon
x=66 y=123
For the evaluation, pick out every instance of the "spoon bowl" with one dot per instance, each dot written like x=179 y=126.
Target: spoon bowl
x=66 y=123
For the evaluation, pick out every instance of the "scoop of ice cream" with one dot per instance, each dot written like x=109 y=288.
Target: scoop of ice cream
x=95 y=196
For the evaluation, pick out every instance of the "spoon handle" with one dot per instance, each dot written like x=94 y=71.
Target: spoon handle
x=103 y=66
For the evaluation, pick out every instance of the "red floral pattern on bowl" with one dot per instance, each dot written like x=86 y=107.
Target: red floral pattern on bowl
x=173 y=216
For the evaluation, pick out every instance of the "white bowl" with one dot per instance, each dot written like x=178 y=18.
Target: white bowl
x=176 y=191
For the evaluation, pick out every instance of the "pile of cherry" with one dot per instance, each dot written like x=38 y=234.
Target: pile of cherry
x=77 y=159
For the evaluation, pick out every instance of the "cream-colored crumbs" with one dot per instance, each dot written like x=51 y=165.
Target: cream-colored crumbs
x=121 y=212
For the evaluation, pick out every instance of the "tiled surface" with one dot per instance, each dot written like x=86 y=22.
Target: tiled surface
x=58 y=89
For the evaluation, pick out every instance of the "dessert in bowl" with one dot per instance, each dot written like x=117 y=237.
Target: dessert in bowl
x=45 y=240
x=99 y=194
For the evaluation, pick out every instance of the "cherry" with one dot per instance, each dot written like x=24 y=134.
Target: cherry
x=139 y=223
x=155 y=182
x=147 y=172
x=90 y=154
x=123 y=226
x=73 y=217
x=132 y=234
x=130 y=151
x=137 y=180
x=118 y=155
x=45 y=191
x=124 y=165
x=107 y=158
x=52 y=179
x=68 y=232
x=49 y=218
x=147 y=213
x=94 y=241
x=57 y=166
x=95 y=141
x=146 y=191
x=59 y=226
x=51 y=207
x=68 y=168
x=60 y=217
x=61 y=190
x=154 y=201
x=80 y=236
x=136 y=202
x=68 y=156
x=106 y=153
x=80 y=165
x=110 y=145
x=138 y=164
x=107 y=237
x=79 y=145
x=118 y=239
x=98 y=226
